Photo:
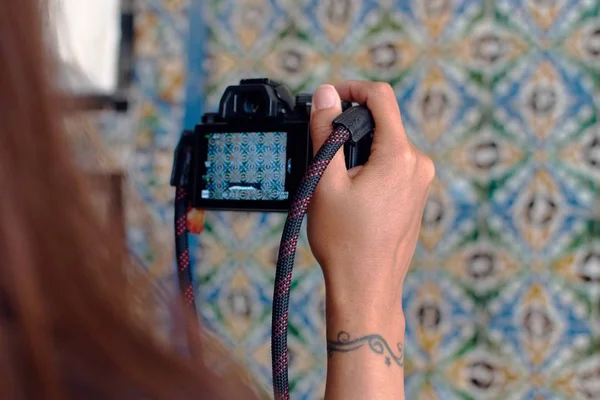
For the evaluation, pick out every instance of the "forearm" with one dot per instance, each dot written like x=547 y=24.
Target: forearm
x=365 y=353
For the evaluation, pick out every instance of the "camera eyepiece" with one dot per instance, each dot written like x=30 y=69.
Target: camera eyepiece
x=251 y=106
x=256 y=98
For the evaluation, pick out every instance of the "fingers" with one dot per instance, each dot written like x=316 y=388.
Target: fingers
x=381 y=100
x=355 y=171
x=326 y=106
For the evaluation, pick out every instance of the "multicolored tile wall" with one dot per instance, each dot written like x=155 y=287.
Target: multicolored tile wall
x=503 y=301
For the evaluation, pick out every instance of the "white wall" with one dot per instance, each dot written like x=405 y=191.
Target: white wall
x=89 y=34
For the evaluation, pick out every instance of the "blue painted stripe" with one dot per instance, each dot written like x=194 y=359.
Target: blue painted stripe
x=195 y=88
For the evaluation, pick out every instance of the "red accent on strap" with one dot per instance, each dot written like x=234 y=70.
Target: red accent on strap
x=190 y=298
x=281 y=363
x=184 y=260
x=284 y=285
x=181 y=194
x=181 y=227
x=281 y=324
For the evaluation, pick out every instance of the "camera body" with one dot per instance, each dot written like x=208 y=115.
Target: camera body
x=253 y=153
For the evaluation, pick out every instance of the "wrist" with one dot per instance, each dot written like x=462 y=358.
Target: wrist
x=365 y=301
x=367 y=349
x=361 y=316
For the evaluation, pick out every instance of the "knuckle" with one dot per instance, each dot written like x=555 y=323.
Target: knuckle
x=428 y=169
x=383 y=88
x=320 y=126
x=408 y=157
x=322 y=129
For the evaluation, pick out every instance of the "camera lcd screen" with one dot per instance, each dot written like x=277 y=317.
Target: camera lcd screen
x=246 y=166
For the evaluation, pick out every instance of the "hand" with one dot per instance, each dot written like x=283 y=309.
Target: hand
x=363 y=224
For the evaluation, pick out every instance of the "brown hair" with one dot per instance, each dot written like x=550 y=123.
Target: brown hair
x=65 y=328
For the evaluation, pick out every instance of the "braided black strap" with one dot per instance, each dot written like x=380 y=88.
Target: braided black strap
x=285 y=261
x=182 y=250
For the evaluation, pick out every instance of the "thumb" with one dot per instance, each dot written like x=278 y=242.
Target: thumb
x=326 y=106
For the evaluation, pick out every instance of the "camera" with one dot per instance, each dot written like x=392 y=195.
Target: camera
x=253 y=153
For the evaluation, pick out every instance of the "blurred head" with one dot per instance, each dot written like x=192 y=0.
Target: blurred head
x=65 y=327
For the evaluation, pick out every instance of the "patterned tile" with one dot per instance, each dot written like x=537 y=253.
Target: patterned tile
x=503 y=95
x=504 y=298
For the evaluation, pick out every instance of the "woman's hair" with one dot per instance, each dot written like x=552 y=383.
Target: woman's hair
x=66 y=330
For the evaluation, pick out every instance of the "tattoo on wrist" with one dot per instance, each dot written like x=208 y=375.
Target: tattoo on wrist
x=376 y=343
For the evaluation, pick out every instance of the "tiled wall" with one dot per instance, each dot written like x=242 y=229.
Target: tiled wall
x=503 y=300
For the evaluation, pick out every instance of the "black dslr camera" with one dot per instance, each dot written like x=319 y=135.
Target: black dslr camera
x=252 y=154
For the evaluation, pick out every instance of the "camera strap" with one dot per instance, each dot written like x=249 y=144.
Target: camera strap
x=353 y=124
x=180 y=180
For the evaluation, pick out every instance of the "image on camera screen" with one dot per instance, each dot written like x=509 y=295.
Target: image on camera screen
x=246 y=166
